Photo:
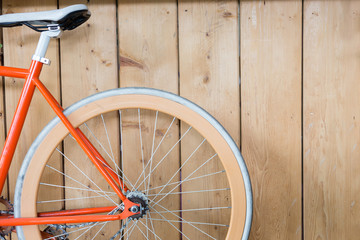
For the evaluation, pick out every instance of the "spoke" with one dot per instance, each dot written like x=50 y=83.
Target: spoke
x=152 y=150
x=134 y=225
x=67 y=176
x=198 y=223
x=112 y=153
x=88 y=230
x=113 y=171
x=99 y=231
x=151 y=156
x=182 y=181
x=122 y=232
x=183 y=220
x=98 y=141
x=171 y=223
x=84 y=174
x=151 y=223
x=69 y=199
x=121 y=148
x=156 y=236
x=108 y=138
x=141 y=146
x=186 y=177
x=128 y=230
x=198 y=191
x=186 y=161
x=166 y=155
x=195 y=209
x=147 y=230
x=63 y=234
x=90 y=227
x=155 y=150
x=112 y=158
x=141 y=231
x=74 y=188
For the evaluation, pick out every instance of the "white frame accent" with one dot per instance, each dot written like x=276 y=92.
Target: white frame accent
x=43 y=44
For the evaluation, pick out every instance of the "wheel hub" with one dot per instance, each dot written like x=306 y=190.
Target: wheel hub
x=138 y=198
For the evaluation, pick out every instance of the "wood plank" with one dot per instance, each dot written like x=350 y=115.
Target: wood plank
x=331 y=119
x=147 y=40
x=209 y=76
x=271 y=114
x=209 y=65
x=148 y=58
x=19 y=46
x=4 y=193
x=88 y=66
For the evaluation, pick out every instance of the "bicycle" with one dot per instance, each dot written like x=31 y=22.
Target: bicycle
x=138 y=196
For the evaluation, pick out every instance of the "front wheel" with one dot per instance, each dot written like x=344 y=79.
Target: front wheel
x=175 y=158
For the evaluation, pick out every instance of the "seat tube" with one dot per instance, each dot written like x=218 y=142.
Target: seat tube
x=18 y=121
x=24 y=102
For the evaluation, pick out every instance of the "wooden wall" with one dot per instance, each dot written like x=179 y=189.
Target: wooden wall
x=295 y=113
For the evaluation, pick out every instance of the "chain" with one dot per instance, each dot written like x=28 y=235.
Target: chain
x=69 y=226
x=10 y=212
x=121 y=229
x=64 y=226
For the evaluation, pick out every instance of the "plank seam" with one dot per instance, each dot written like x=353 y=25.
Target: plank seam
x=239 y=40
x=178 y=92
x=3 y=99
x=117 y=42
x=302 y=120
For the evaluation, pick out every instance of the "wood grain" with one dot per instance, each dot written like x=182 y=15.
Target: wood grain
x=209 y=65
x=19 y=46
x=148 y=44
x=209 y=73
x=331 y=119
x=88 y=66
x=4 y=193
x=271 y=114
x=5 y=190
x=148 y=58
x=270 y=63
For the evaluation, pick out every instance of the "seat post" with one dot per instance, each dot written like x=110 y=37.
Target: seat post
x=54 y=31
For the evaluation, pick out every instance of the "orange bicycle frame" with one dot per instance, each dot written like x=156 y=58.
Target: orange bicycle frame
x=32 y=81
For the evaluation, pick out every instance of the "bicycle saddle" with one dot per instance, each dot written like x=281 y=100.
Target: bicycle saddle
x=66 y=18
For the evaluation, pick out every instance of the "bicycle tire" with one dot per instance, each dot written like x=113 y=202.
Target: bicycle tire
x=241 y=196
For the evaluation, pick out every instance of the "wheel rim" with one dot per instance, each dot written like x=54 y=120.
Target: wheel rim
x=152 y=102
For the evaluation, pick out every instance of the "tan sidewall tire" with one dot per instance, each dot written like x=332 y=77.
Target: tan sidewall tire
x=28 y=181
